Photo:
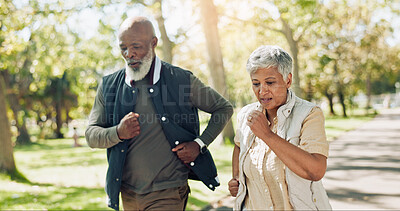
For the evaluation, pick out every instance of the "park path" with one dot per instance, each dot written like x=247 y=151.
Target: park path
x=363 y=167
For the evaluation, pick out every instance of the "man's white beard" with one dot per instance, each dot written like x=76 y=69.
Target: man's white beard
x=139 y=73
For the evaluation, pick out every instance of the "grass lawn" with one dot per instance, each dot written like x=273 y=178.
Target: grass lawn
x=62 y=177
x=67 y=178
x=335 y=125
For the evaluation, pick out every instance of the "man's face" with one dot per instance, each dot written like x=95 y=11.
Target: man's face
x=135 y=44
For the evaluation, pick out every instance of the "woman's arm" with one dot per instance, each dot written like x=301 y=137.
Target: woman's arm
x=311 y=166
x=234 y=182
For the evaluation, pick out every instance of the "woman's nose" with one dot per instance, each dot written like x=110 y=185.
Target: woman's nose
x=263 y=89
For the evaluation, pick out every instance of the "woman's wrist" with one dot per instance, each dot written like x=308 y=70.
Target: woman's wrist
x=267 y=134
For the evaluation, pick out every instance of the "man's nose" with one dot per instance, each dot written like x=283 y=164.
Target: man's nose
x=129 y=53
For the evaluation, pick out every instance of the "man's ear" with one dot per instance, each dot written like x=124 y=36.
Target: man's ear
x=289 y=80
x=154 y=42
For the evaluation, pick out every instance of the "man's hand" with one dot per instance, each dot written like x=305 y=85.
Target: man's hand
x=129 y=126
x=233 y=185
x=187 y=151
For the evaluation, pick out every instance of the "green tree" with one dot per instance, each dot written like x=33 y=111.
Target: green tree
x=15 y=62
x=7 y=163
x=292 y=19
x=215 y=61
x=44 y=48
x=373 y=56
x=351 y=50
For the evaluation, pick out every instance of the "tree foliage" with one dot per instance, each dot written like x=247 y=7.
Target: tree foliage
x=51 y=65
x=47 y=66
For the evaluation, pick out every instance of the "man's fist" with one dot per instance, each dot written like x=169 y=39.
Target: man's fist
x=187 y=151
x=129 y=126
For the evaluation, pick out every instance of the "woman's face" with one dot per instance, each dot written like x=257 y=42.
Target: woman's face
x=270 y=88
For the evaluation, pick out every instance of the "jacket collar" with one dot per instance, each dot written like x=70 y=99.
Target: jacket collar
x=157 y=70
x=286 y=109
x=154 y=72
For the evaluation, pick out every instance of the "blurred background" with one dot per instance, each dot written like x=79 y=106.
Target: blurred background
x=54 y=52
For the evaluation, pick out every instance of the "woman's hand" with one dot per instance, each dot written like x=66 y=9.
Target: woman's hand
x=310 y=166
x=233 y=185
x=258 y=123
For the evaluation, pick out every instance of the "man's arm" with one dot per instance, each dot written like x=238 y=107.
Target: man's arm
x=206 y=99
x=97 y=136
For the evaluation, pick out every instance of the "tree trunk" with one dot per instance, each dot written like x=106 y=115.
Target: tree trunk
x=7 y=163
x=167 y=45
x=339 y=88
x=330 y=100
x=368 y=88
x=23 y=137
x=68 y=119
x=58 y=120
x=341 y=99
x=310 y=91
x=294 y=49
x=215 y=62
x=58 y=107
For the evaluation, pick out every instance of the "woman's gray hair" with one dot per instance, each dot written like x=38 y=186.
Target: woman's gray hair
x=267 y=56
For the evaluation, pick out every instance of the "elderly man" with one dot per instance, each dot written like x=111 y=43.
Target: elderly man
x=146 y=116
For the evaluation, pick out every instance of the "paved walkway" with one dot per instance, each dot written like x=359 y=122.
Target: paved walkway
x=363 y=167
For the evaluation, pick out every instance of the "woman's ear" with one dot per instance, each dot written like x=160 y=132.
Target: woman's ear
x=289 y=80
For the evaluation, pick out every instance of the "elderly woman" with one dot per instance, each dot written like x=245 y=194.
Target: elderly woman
x=280 y=148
